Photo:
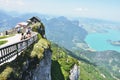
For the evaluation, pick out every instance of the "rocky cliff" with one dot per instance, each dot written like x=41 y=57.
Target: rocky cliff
x=36 y=61
x=32 y=64
x=74 y=73
x=43 y=70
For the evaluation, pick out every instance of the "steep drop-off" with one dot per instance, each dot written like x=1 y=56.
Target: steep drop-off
x=43 y=70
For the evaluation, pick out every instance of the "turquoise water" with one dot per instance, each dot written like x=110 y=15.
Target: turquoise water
x=99 y=41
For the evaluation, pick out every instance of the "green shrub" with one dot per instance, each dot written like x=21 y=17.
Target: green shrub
x=65 y=62
x=6 y=73
x=39 y=48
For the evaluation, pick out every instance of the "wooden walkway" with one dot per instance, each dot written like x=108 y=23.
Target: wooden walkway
x=9 y=52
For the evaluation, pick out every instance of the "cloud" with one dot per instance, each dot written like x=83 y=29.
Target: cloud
x=11 y=2
x=81 y=9
x=20 y=2
x=4 y=4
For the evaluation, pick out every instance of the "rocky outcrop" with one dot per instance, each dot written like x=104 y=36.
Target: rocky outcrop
x=43 y=70
x=74 y=73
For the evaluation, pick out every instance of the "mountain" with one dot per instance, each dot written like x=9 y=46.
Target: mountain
x=70 y=35
x=7 y=21
x=34 y=64
x=60 y=30
x=97 y=25
x=88 y=71
x=106 y=59
x=4 y=18
x=65 y=32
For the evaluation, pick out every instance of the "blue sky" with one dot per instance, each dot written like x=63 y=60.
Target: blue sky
x=104 y=9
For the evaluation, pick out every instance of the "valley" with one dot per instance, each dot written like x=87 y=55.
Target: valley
x=71 y=37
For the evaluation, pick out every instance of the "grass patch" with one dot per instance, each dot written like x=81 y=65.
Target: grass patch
x=56 y=71
x=63 y=61
x=3 y=42
x=66 y=65
x=6 y=36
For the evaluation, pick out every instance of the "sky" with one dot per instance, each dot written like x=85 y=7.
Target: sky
x=103 y=9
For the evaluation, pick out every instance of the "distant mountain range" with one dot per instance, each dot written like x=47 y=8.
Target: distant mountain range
x=106 y=59
x=60 y=30
x=88 y=71
x=71 y=34
x=97 y=25
x=64 y=32
x=9 y=20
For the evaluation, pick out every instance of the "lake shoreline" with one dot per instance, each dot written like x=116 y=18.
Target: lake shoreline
x=115 y=43
x=102 y=41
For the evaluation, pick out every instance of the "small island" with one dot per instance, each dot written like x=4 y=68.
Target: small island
x=114 y=43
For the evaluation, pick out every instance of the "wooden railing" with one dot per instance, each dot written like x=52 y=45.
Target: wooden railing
x=10 y=52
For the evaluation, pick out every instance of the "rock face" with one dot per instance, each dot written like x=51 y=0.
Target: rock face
x=43 y=71
x=74 y=73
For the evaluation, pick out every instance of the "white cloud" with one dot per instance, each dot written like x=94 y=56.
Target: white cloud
x=20 y=2
x=11 y=4
x=80 y=9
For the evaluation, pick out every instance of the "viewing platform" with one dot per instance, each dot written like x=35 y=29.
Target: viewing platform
x=15 y=44
x=14 y=47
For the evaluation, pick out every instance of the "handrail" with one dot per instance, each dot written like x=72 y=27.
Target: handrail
x=10 y=52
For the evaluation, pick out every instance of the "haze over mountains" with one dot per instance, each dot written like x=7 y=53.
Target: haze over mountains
x=68 y=33
x=75 y=30
x=65 y=32
x=60 y=30
x=71 y=34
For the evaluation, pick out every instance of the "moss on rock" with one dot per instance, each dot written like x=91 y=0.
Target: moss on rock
x=39 y=48
x=6 y=73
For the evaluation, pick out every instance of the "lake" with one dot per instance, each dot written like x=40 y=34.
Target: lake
x=99 y=41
